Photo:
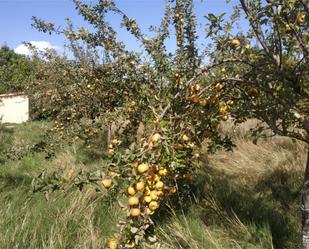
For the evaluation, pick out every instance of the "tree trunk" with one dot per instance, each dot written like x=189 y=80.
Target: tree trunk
x=305 y=208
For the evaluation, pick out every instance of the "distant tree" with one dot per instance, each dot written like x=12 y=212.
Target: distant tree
x=16 y=71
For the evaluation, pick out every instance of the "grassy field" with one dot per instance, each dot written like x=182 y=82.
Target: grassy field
x=248 y=198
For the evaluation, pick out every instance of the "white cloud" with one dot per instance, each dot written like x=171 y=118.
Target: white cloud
x=40 y=45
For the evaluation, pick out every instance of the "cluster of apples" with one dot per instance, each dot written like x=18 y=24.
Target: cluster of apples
x=148 y=191
x=58 y=127
x=112 y=145
x=300 y=20
x=197 y=99
x=224 y=107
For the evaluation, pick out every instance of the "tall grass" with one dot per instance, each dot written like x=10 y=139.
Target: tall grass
x=75 y=219
x=248 y=198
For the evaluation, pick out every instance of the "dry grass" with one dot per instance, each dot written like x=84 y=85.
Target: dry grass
x=247 y=198
x=251 y=161
x=75 y=219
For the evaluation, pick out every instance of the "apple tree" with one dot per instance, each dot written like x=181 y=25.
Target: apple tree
x=258 y=73
x=167 y=93
x=268 y=76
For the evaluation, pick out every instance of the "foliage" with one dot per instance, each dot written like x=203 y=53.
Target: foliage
x=16 y=71
x=179 y=102
x=271 y=81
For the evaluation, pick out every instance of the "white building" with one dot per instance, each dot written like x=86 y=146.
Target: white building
x=14 y=108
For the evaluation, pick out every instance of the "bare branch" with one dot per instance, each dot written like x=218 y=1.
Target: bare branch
x=278 y=40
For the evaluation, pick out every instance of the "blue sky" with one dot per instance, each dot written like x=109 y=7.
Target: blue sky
x=15 y=18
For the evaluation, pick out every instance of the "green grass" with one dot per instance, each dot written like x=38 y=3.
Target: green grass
x=248 y=199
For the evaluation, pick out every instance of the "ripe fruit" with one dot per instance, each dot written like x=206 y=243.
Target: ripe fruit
x=110 y=151
x=162 y=172
x=301 y=18
x=142 y=168
x=153 y=205
x=173 y=190
x=185 y=138
x=156 y=120
x=149 y=211
x=131 y=190
x=195 y=88
x=157 y=178
x=160 y=193
x=230 y=102
x=197 y=155
x=134 y=212
x=288 y=27
x=115 y=142
x=178 y=146
x=107 y=182
x=140 y=186
x=133 y=201
x=154 y=195
x=194 y=98
x=112 y=244
x=247 y=46
x=218 y=86
x=235 y=43
x=155 y=138
x=191 y=145
x=160 y=185
x=147 y=198
x=203 y=102
x=223 y=109
x=150 y=145
x=225 y=118
x=110 y=146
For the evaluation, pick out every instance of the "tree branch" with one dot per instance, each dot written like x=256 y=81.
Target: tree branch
x=257 y=31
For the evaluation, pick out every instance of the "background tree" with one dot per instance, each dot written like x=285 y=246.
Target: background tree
x=16 y=71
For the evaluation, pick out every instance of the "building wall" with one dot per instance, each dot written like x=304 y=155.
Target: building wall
x=14 y=108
